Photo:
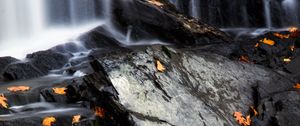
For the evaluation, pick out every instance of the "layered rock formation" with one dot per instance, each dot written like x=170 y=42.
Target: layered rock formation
x=108 y=83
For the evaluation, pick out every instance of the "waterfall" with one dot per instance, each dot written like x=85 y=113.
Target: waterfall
x=37 y=15
x=194 y=8
x=81 y=11
x=106 y=5
x=21 y=18
x=41 y=24
x=290 y=9
x=128 y=39
x=268 y=17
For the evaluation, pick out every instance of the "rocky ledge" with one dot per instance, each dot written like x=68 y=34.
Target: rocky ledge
x=195 y=87
x=191 y=81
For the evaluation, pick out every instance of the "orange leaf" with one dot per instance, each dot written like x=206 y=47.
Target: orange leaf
x=3 y=101
x=60 y=91
x=297 y=86
x=242 y=120
x=268 y=41
x=48 y=121
x=239 y=117
x=256 y=45
x=159 y=66
x=292 y=48
x=76 y=119
x=244 y=59
x=156 y=2
x=293 y=29
x=281 y=36
x=18 y=88
x=99 y=111
x=254 y=111
x=247 y=121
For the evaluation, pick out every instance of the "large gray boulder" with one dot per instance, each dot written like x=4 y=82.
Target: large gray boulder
x=197 y=88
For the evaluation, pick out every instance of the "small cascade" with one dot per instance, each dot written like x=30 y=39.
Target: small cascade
x=194 y=8
x=106 y=5
x=243 y=13
x=128 y=34
x=268 y=18
x=42 y=99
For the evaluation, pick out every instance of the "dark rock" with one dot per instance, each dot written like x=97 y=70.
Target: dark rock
x=48 y=60
x=68 y=48
x=281 y=109
x=17 y=98
x=99 y=37
x=105 y=96
x=4 y=61
x=148 y=21
x=294 y=65
x=22 y=70
x=50 y=96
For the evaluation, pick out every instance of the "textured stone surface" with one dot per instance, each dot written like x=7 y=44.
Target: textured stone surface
x=197 y=88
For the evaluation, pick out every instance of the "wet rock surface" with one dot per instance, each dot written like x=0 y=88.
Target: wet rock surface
x=195 y=84
x=197 y=88
x=4 y=61
x=201 y=83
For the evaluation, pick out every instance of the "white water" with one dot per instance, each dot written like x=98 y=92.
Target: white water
x=106 y=5
x=128 y=39
x=42 y=109
x=194 y=8
x=267 y=13
x=19 y=47
x=20 y=18
x=27 y=26
x=82 y=11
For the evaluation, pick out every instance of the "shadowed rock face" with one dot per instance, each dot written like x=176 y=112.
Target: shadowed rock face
x=4 y=61
x=164 y=23
x=37 y=64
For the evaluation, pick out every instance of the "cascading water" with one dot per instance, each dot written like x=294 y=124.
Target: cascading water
x=42 y=24
x=194 y=8
x=106 y=5
x=268 y=17
x=20 y=18
x=243 y=14
x=82 y=11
